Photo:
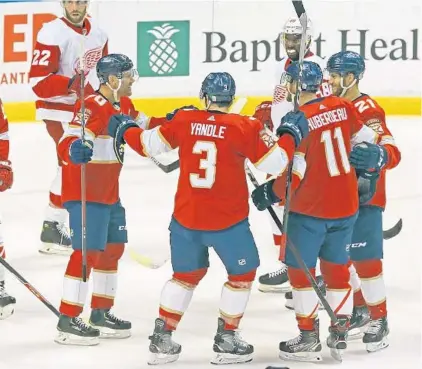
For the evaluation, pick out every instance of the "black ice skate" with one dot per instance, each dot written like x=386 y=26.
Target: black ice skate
x=7 y=302
x=55 y=239
x=337 y=340
x=305 y=347
x=109 y=325
x=376 y=337
x=358 y=322
x=277 y=281
x=289 y=295
x=162 y=348
x=74 y=331
x=229 y=347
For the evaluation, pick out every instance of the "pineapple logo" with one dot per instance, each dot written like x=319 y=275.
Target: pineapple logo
x=163 y=48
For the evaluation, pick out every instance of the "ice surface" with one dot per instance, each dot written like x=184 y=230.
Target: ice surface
x=26 y=339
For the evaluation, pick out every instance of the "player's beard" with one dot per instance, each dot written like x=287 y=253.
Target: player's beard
x=76 y=18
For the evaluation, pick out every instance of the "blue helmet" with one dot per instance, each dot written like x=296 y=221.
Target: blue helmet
x=311 y=75
x=218 y=87
x=345 y=62
x=113 y=65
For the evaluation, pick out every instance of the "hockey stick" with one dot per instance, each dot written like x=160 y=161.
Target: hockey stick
x=146 y=261
x=297 y=255
x=166 y=168
x=300 y=11
x=83 y=166
x=393 y=231
x=30 y=287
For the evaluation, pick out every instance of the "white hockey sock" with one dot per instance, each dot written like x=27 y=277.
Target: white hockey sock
x=354 y=279
x=105 y=284
x=2 y=269
x=74 y=291
x=233 y=302
x=56 y=215
x=175 y=297
x=305 y=302
x=341 y=301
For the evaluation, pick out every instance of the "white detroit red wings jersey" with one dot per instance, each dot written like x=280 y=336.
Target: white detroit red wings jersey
x=280 y=106
x=56 y=59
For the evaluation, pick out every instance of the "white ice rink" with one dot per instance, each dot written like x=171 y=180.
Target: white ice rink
x=26 y=339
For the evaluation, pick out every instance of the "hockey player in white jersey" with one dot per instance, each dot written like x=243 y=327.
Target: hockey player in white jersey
x=290 y=37
x=56 y=83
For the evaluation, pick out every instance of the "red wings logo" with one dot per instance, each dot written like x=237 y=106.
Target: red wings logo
x=91 y=58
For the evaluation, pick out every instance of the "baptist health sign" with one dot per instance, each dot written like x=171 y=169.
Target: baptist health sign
x=175 y=44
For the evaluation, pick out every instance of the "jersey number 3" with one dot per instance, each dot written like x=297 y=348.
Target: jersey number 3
x=330 y=156
x=207 y=164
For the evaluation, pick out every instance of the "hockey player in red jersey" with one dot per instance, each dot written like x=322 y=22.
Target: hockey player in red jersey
x=211 y=207
x=56 y=83
x=282 y=103
x=106 y=232
x=7 y=302
x=323 y=210
x=346 y=69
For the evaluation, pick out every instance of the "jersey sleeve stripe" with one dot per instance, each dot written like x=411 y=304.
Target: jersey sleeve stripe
x=274 y=162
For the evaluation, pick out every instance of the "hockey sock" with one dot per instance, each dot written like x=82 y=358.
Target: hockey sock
x=56 y=192
x=304 y=298
x=74 y=289
x=358 y=299
x=373 y=287
x=234 y=298
x=104 y=276
x=339 y=291
x=2 y=255
x=176 y=296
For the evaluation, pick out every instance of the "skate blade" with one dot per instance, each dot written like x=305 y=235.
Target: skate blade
x=337 y=354
x=159 y=359
x=301 y=356
x=110 y=333
x=377 y=346
x=225 y=358
x=285 y=287
x=54 y=249
x=7 y=311
x=63 y=338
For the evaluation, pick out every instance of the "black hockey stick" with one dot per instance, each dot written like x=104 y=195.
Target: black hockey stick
x=393 y=231
x=297 y=255
x=30 y=287
x=166 y=168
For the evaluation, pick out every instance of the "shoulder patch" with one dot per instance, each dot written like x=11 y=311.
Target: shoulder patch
x=376 y=125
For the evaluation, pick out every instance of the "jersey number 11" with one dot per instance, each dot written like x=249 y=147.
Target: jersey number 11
x=327 y=140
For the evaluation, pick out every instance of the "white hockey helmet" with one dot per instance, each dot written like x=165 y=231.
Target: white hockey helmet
x=291 y=35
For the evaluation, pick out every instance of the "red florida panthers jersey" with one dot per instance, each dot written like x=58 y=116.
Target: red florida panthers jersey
x=328 y=187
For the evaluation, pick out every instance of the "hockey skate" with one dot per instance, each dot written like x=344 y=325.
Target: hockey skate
x=376 y=337
x=55 y=239
x=337 y=340
x=358 y=323
x=305 y=347
x=277 y=281
x=229 y=347
x=109 y=325
x=7 y=302
x=74 y=331
x=289 y=295
x=162 y=348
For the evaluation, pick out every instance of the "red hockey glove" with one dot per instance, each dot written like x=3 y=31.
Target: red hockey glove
x=6 y=175
x=74 y=86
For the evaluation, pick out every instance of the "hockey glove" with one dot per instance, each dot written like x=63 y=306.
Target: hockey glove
x=365 y=156
x=263 y=113
x=80 y=152
x=367 y=185
x=6 y=175
x=117 y=126
x=170 y=116
x=294 y=124
x=263 y=196
x=74 y=86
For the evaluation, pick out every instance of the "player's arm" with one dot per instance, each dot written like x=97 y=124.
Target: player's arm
x=146 y=142
x=45 y=64
x=6 y=172
x=143 y=120
x=71 y=148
